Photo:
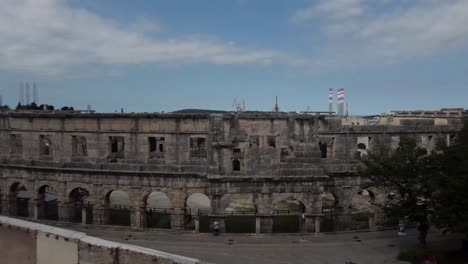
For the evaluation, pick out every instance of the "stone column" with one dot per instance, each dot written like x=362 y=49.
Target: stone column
x=84 y=215
x=35 y=207
x=197 y=224
x=317 y=224
x=136 y=218
x=177 y=219
x=257 y=225
x=63 y=211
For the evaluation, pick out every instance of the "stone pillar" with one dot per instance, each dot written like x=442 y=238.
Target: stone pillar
x=197 y=224
x=317 y=224
x=63 y=214
x=84 y=215
x=177 y=219
x=258 y=225
x=136 y=218
x=35 y=207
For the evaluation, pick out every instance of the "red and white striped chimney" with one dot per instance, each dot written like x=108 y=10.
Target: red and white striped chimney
x=330 y=100
x=341 y=101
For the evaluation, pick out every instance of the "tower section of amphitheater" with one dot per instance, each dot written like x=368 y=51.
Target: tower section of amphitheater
x=252 y=171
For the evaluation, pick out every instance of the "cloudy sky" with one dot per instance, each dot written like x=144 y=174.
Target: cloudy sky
x=151 y=56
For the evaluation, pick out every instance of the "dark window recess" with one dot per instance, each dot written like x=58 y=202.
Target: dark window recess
x=152 y=144
x=116 y=146
x=254 y=141
x=45 y=145
x=236 y=165
x=271 y=140
x=16 y=144
x=323 y=149
x=156 y=147
x=198 y=148
x=79 y=147
x=161 y=144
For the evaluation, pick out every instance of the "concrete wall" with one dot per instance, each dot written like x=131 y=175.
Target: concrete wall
x=23 y=242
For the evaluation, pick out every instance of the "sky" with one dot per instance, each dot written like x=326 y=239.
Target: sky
x=153 y=56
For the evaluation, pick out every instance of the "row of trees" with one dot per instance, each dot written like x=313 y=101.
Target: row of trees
x=34 y=106
x=424 y=188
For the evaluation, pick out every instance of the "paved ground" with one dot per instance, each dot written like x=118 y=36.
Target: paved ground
x=360 y=248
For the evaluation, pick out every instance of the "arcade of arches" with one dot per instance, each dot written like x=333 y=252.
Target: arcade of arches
x=238 y=209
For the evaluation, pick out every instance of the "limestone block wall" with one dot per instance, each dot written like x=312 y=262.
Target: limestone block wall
x=25 y=242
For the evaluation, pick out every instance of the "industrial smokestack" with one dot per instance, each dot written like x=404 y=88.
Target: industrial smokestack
x=341 y=102
x=330 y=100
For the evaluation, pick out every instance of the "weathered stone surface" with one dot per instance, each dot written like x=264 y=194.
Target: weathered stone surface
x=259 y=156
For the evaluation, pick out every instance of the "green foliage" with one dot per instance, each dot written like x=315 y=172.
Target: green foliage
x=451 y=195
x=424 y=185
x=407 y=173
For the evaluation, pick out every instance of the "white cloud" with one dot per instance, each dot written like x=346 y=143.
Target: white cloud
x=50 y=37
x=357 y=31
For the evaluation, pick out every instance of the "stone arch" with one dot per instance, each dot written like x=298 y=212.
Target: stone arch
x=18 y=197
x=290 y=206
x=157 y=199
x=240 y=213
x=236 y=165
x=78 y=194
x=228 y=200
x=74 y=185
x=362 y=201
x=78 y=198
x=198 y=202
x=118 y=197
x=292 y=196
x=157 y=210
x=118 y=207
x=329 y=200
x=47 y=202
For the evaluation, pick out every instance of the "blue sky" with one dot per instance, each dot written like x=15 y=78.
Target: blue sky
x=151 y=56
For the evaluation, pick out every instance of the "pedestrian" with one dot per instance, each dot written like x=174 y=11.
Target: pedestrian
x=216 y=228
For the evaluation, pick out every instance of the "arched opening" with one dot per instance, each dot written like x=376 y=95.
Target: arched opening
x=197 y=205
x=288 y=216
x=19 y=200
x=359 y=209
x=236 y=165
x=78 y=198
x=47 y=203
x=158 y=210
x=323 y=149
x=118 y=211
x=362 y=149
x=329 y=204
x=240 y=216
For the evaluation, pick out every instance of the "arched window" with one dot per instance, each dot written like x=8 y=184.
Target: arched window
x=236 y=165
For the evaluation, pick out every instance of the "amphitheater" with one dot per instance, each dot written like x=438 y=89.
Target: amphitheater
x=254 y=172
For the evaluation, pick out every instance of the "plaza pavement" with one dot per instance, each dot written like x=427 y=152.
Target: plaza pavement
x=358 y=247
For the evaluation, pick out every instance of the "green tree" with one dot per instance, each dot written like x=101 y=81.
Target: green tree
x=451 y=194
x=406 y=174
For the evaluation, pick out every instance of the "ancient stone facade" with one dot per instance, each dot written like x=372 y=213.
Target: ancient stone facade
x=256 y=158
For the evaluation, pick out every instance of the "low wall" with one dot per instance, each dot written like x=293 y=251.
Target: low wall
x=23 y=242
